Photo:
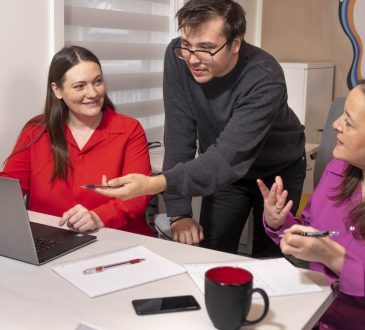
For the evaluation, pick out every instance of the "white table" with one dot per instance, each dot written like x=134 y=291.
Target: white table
x=34 y=297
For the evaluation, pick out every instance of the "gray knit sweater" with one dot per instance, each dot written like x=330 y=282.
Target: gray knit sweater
x=242 y=121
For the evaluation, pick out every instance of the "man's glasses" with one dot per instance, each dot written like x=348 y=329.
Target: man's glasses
x=205 y=56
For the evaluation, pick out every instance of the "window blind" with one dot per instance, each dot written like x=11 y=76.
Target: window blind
x=129 y=38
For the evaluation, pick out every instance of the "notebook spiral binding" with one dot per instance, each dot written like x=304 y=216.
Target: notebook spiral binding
x=207 y=262
x=97 y=255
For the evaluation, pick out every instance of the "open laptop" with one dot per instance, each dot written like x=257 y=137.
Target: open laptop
x=28 y=241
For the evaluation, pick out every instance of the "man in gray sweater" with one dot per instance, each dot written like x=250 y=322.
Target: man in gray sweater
x=231 y=98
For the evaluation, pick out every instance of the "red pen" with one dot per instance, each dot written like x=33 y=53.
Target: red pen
x=99 y=269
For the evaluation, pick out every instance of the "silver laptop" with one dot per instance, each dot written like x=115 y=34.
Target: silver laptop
x=28 y=241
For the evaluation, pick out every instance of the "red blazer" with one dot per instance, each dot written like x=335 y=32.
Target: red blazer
x=117 y=147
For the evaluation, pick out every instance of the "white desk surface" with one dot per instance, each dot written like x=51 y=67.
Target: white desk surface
x=34 y=297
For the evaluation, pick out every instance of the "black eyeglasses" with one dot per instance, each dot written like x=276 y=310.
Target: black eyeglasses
x=205 y=56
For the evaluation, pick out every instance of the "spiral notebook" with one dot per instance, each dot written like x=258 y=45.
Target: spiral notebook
x=154 y=267
x=277 y=277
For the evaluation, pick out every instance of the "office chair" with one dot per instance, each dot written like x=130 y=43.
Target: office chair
x=162 y=225
x=328 y=141
x=158 y=222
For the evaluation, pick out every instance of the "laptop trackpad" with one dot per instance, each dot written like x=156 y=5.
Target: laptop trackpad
x=54 y=241
x=39 y=230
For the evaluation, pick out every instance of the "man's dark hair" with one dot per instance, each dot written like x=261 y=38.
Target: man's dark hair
x=196 y=12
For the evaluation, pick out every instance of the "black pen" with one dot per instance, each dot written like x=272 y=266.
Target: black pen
x=323 y=233
x=100 y=186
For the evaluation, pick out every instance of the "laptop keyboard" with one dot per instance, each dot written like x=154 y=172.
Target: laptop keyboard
x=43 y=243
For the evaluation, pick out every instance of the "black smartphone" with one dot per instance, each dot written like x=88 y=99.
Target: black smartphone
x=165 y=305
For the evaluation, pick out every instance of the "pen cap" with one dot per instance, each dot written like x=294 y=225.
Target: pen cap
x=93 y=270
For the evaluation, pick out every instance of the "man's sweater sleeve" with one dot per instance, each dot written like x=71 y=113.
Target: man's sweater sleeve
x=180 y=130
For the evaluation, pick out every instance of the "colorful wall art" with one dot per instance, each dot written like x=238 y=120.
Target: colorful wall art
x=351 y=14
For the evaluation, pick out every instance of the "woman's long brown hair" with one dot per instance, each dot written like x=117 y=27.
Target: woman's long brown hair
x=56 y=113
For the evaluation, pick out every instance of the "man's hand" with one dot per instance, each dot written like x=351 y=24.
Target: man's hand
x=187 y=231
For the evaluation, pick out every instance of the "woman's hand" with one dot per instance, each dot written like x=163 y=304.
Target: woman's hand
x=275 y=207
x=81 y=219
x=132 y=185
x=315 y=249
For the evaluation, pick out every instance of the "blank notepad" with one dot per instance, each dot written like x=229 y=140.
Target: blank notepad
x=277 y=277
x=154 y=267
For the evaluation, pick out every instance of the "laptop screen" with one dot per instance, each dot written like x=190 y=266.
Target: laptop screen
x=17 y=235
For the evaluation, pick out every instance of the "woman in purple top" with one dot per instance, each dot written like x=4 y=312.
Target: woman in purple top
x=338 y=204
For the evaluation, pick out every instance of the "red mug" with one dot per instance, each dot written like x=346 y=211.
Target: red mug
x=228 y=297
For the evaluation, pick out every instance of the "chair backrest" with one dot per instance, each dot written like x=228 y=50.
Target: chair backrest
x=328 y=141
x=162 y=225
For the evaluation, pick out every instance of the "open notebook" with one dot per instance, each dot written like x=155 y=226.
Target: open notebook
x=153 y=267
x=277 y=277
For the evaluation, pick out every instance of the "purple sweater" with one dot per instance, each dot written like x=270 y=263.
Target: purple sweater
x=348 y=310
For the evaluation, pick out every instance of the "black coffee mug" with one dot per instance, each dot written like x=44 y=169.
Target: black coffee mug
x=228 y=297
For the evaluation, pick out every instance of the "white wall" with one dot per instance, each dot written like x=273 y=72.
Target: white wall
x=253 y=11
x=31 y=32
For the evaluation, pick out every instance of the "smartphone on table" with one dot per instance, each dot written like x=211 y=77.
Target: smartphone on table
x=165 y=305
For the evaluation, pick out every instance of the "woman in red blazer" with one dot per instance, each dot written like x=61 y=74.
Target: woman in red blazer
x=78 y=138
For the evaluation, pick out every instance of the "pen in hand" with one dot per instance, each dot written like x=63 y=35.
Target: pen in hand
x=99 y=269
x=100 y=186
x=323 y=233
